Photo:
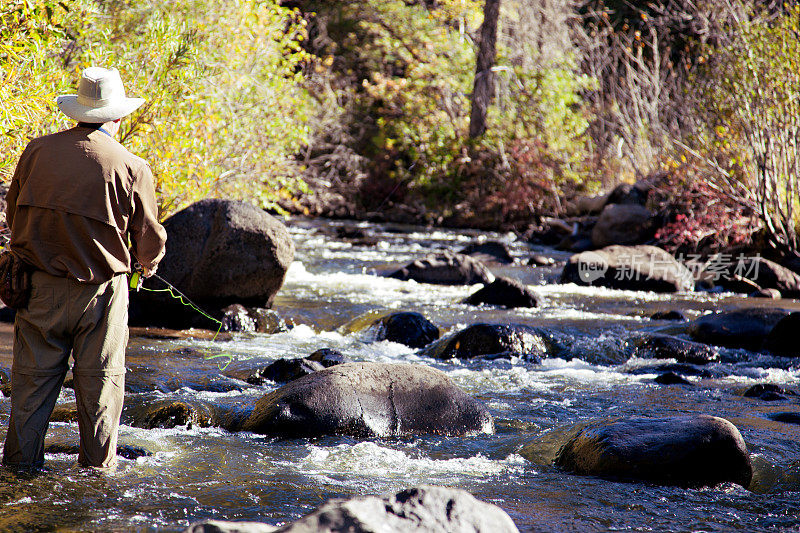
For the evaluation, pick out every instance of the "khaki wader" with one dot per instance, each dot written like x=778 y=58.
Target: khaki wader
x=64 y=317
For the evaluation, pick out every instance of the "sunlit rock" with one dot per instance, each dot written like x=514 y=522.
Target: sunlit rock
x=423 y=509
x=219 y=252
x=688 y=451
x=369 y=400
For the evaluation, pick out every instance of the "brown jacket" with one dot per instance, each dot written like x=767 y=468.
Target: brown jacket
x=77 y=201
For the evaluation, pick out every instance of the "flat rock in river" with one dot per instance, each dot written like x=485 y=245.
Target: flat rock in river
x=687 y=450
x=369 y=400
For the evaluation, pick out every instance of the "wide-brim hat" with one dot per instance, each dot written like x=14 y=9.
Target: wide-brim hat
x=101 y=97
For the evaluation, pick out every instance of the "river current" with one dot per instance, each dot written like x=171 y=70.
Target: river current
x=331 y=293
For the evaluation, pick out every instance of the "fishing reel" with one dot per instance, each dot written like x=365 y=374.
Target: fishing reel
x=135 y=278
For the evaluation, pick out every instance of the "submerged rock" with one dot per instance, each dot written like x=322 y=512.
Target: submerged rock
x=219 y=252
x=504 y=292
x=680 y=369
x=638 y=268
x=489 y=252
x=657 y=346
x=743 y=328
x=445 y=268
x=786 y=418
x=369 y=400
x=783 y=337
x=492 y=341
x=688 y=451
x=408 y=328
x=423 y=509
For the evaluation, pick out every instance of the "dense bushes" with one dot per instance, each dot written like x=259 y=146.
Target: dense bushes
x=371 y=100
x=407 y=70
x=226 y=107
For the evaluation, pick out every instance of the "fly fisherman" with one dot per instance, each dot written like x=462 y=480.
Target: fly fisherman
x=78 y=200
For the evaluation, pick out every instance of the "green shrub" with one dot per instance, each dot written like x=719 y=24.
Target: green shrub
x=226 y=109
x=748 y=97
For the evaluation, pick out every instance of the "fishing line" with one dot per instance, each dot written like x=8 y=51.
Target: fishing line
x=184 y=300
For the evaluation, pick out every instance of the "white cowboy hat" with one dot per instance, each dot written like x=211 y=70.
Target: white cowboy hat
x=101 y=97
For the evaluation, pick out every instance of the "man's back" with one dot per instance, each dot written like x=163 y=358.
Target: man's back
x=75 y=196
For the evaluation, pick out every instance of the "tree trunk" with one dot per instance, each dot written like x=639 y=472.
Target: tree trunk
x=483 y=91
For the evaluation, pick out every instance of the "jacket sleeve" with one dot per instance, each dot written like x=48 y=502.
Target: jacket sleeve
x=147 y=235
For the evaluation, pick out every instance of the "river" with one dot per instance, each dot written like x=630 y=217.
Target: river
x=330 y=293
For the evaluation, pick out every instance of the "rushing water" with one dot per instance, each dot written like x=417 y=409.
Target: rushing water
x=331 y=292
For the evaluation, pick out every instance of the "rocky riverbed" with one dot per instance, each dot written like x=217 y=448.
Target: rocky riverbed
x=534 y=404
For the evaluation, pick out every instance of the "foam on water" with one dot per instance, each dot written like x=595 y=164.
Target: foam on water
x=372 y=460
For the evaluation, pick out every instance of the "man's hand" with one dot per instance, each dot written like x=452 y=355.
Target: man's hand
x=146 y=272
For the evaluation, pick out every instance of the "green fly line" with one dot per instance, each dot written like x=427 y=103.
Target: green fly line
x=184 y=300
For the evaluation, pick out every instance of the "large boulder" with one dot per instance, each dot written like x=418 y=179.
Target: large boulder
x=220 y=252
x=406 y=327
x=445 y=268
x=369 y=400
x=493 y=341
x=658 y=346
x=688 y=450
x=504 y=292
x=622 y=224
x=742 y=328
x=423 y=509
x=644 y=268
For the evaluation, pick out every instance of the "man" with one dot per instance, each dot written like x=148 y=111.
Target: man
x=78 y=205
